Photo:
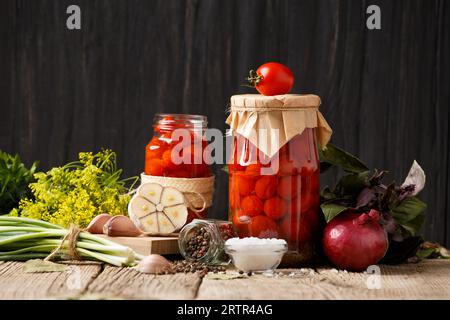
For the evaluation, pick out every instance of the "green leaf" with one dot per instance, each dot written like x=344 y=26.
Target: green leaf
x=324 y=166
x=340 y=158
x=14 y=181
x=331 y=210
x=425 y=253
x=432 y=250
x=36 y=265
x=327 y=194
x=352 y=183
x=225 y=168
x=412 y=227
x=409 y=214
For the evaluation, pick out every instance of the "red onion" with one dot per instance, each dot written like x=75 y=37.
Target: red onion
x=355 y=241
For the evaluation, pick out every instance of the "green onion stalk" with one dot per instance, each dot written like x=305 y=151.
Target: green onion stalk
x=23 y=239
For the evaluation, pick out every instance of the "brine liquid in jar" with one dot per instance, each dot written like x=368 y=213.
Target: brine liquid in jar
x=277 y=197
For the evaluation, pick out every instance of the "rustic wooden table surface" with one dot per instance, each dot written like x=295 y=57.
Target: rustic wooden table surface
x=425 y=280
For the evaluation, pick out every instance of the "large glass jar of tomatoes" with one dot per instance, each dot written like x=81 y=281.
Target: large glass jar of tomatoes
x=176 y=150
x=274 y=187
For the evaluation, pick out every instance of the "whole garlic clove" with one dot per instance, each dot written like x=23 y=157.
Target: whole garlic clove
x=154 y=264
x=120 y=226
x=96 y=225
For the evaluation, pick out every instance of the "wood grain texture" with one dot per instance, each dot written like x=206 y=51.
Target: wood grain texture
x=16 y=284
x=427 y=280
x=385 y=92
x=292 y=285
x=146 y=245
x=128 y=283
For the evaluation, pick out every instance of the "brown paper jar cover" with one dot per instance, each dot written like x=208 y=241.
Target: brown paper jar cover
x=281 y=117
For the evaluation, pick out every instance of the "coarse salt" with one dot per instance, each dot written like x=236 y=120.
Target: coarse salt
x=243 y=243
x=254 y=254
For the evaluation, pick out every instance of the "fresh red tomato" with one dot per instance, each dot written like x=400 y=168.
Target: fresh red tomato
x=272 y=79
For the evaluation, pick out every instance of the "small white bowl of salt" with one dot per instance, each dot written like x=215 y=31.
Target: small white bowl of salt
x=254 y=254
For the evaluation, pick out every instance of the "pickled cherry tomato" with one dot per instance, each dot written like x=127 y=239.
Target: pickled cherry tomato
x=289 y=187
x=168 y=162
x=263 y=227
x=253 y=169
x=244 y=184
x=295 y=231
x=252 y=206
x=179 y=174
x=299 y=224
x=308 y=200
x=275 y=208
x=154 y=151
x=154 y=167
x=310 y=179
x=266 y=187
x=233 y=167
x=192 y=154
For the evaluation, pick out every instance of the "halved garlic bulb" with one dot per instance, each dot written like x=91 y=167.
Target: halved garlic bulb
x=158 y=210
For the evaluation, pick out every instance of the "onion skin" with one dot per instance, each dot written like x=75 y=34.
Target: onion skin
x=355 y=241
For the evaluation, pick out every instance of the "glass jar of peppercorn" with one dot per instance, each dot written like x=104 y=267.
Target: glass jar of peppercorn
x=274 y=170
x=203 y=240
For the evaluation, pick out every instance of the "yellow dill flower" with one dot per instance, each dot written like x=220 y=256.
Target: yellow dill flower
x=78 y=191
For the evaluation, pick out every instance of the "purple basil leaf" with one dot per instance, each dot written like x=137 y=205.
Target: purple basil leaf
x=406 y=192
x=365 y=197
x=376 y=177
x=389 y=224
x=397 y=237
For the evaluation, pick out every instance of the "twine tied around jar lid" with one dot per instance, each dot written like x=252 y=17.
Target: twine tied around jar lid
x=271 y=121
x=198 y=192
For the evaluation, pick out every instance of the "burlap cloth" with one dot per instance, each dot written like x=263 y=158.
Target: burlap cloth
x=197 y=191
x=281 y=117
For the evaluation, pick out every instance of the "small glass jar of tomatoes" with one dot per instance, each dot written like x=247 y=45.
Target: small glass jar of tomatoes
x=186 y=133
x=276 y=196
x=176 y=152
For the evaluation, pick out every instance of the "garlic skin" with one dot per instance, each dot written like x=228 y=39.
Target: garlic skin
x=96 y=225
x=120 y=226
x=154 y=264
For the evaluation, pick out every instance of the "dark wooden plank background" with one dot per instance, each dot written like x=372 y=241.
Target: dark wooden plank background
x=386 y=92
